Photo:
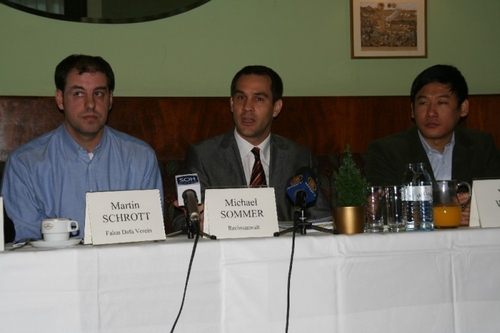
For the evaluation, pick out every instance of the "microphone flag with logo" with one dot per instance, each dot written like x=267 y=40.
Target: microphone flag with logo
x=302 y=188
x=189 y=189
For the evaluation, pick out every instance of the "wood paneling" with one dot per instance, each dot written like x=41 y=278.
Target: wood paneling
x=171 y=124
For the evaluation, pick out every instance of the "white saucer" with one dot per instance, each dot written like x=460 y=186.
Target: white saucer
x=61 y=244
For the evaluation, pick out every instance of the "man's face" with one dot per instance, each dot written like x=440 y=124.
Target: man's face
x=86 y=102
x=436 y=113
x=253 y=108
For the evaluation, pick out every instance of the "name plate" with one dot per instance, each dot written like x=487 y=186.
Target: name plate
x=485 y=203
x=123 y=217
x=2 y=236
x=240 y=212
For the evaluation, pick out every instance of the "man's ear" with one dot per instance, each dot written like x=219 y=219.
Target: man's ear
x=412 y=112
x=464 y=108
x=277 y=108
x=110 y=99
x=59 y=99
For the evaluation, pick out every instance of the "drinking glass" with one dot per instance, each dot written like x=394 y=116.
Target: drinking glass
x=394 y=196
x=375 y=209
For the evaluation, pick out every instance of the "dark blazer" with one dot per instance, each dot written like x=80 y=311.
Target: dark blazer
x=217 y=162
x=474 y=156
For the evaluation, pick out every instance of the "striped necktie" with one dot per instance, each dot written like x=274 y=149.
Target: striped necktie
x=258 y=178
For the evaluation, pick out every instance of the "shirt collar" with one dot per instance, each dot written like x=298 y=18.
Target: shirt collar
x=429 y=150
x=246 y=147
x=74 y=146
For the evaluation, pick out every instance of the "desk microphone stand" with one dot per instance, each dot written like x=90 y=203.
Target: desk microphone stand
x=300 y=223
x=191 y=229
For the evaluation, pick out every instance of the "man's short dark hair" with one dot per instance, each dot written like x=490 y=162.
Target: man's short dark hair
x=276 y=83
x=445 y=74
x=83 y=64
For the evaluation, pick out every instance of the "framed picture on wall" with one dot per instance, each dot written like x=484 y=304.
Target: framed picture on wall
x=395 y=29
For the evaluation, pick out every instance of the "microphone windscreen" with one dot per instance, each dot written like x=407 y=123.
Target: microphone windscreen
x=191 y=204
x=303 y=181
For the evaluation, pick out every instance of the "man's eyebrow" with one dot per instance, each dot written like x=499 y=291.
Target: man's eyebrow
x=258 y=93
x=440 y=96
x=77 y=87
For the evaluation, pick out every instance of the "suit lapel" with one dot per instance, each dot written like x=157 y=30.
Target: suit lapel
x=417 y=151
x=462 y=155
x=279 y=159
x=231 y=159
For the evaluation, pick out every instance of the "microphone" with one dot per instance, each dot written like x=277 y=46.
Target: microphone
x=188 y=187
x=302 y=187
x=191 y=204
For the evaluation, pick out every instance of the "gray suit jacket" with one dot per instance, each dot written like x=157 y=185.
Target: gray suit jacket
x=474 y=156
x=218 y=163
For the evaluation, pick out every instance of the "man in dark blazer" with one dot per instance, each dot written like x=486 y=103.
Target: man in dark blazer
x=450 y=151
x=226 y=160
x=474 y=156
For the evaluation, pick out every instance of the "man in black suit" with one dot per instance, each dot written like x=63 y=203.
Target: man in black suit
x=438 y=103
x=227 y=160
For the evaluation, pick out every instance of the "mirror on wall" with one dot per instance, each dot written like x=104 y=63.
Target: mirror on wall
x=105 y=11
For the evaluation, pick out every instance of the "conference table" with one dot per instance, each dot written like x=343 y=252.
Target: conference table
x=440 y=281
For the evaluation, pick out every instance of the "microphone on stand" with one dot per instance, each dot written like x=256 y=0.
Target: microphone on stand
x=303 y=191
x=191 y=204
x=302 y=188
x=188 y=187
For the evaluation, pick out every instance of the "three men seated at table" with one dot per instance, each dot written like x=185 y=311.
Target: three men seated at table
x=49 y=176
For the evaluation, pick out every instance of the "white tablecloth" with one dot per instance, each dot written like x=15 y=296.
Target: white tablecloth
x=441 y=281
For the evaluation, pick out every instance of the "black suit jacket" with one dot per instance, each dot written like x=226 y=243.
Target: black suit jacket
x=474 y=156
x=217 y=162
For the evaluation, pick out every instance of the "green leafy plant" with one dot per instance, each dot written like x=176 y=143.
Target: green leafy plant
x=349 y=184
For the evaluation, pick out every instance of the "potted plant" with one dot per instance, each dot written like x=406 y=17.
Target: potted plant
x=350 y=189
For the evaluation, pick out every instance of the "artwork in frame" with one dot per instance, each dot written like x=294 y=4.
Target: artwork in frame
x=395 y=29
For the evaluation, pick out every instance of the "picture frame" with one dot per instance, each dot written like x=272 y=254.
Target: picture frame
x=395 y=29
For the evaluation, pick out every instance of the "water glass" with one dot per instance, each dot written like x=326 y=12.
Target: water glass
x=396 y=220
x=375 y=209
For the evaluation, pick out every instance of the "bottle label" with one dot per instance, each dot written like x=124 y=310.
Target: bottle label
x=418 y=193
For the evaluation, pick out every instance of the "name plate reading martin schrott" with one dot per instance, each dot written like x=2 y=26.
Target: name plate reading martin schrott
x=485 y=203
x=240 y=212
x=123 y=217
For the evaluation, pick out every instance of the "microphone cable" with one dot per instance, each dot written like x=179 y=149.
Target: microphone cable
x=290 y=278
x=187 y=280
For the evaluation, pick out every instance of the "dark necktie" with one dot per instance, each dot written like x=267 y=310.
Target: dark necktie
x=258 y=178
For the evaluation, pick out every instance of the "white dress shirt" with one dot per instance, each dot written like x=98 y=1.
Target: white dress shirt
x=248 y=158
x=440 y=163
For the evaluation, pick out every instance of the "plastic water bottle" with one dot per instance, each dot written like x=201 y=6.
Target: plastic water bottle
x=408 y=196
x=422 y=205
x=417 y=205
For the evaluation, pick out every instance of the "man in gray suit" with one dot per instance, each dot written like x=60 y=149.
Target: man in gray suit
x=227 y=160
x=438 y=103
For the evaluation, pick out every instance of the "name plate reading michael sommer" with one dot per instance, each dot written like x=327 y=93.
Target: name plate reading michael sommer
x=485 y=203
x=240 y=212
x=123 y=217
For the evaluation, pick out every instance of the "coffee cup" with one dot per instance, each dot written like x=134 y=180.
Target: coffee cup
x=58 y=229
